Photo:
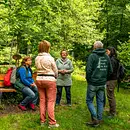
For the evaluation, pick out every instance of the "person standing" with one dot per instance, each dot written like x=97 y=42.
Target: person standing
x=112 y=81
x=98 y=70
x=25 y=83
x=65 y=68
x=46 y=83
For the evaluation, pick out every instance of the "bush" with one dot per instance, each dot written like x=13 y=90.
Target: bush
x=13 y=98
x=124 y=55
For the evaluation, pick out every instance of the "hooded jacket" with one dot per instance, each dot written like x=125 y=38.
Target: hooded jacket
x=98 y=67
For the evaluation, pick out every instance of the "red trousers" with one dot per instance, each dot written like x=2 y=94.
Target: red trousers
x=47 y=95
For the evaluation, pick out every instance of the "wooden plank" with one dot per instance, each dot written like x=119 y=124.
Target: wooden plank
x=2 y=79
x=2 y=76
x=1 y=84
x=7 y=90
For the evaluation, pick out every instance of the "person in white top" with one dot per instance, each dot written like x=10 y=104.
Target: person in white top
x=46 y=82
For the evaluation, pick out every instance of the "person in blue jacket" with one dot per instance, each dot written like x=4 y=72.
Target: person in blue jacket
x=26 y=84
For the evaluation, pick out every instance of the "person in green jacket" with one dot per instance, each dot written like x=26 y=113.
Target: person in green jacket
x=98 y=70
x=65 y=68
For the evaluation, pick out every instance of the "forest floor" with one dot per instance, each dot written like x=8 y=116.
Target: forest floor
x=6 y=109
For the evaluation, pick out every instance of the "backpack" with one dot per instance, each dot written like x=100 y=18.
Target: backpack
x=7 y=77
x=13 y=75
x=120 y=72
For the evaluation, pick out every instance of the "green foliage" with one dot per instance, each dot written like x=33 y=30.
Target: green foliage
x=66 y=24
x=12 y=98
x=6 y=56
x=124 y=55
x=60 y=22
x=114 y=21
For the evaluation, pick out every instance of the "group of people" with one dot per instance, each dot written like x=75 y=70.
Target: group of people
x=51 y=78
x=101 y=73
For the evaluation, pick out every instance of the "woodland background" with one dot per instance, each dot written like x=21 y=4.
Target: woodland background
x=70 y=24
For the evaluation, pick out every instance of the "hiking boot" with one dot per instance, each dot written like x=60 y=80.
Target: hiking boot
x=100 y=121
x=32 y=106
x=93 y=123
x=53 y=125
x=111 y=115
x=23 y=108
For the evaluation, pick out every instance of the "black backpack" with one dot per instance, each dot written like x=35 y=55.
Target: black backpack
x=120 y=72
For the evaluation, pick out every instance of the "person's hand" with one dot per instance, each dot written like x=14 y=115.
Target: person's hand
x=33 y=84
x=62 y=72
x=65 y=71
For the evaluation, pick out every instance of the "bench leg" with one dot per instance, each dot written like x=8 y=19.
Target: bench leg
x=0 y=97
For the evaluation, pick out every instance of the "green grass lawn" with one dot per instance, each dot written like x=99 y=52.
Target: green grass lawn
x=74 y=117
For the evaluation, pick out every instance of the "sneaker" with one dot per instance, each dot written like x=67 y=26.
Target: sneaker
x=23 y=108
x=69 y=105
x=32 y=106
x=57 y=104
x=53 y=125
x=43 y=124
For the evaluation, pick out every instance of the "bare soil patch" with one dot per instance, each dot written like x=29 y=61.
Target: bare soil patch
x=6 y=109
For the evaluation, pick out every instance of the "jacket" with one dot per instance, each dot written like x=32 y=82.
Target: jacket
x=98 y=68
x=115 y=65
x=23 y=77
x=64 y=80
x=46 y=65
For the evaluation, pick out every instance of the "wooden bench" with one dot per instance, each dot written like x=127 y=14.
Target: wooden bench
x=4 y=88
x=8 y=89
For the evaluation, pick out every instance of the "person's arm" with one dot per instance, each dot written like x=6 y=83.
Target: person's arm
x=89 y=67
x=110 y=69
x=59 y=70
x=54 y=68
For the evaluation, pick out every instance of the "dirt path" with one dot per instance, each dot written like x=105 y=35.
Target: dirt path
x=13 y=109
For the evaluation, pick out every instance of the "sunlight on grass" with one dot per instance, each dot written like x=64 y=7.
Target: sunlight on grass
x=76 y=116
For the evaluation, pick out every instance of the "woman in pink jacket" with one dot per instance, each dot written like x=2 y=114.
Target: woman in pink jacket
x=46 y=83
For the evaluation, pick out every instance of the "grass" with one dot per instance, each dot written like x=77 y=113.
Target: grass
x=74 y=117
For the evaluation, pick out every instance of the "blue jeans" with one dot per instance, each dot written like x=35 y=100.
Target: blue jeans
x=59 y=94
x=97 y=91
x=30 y=95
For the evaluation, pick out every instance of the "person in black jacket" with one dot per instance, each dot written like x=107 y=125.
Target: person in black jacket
x=112 y=81
x=98 y=70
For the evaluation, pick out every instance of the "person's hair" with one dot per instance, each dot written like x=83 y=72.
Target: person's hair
x=98 y=44
x=25 y=59
x=112 y=51
x=44 y=46
x=63 y=50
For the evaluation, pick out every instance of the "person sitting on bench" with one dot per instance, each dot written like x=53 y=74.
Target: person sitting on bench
x=26 y=85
